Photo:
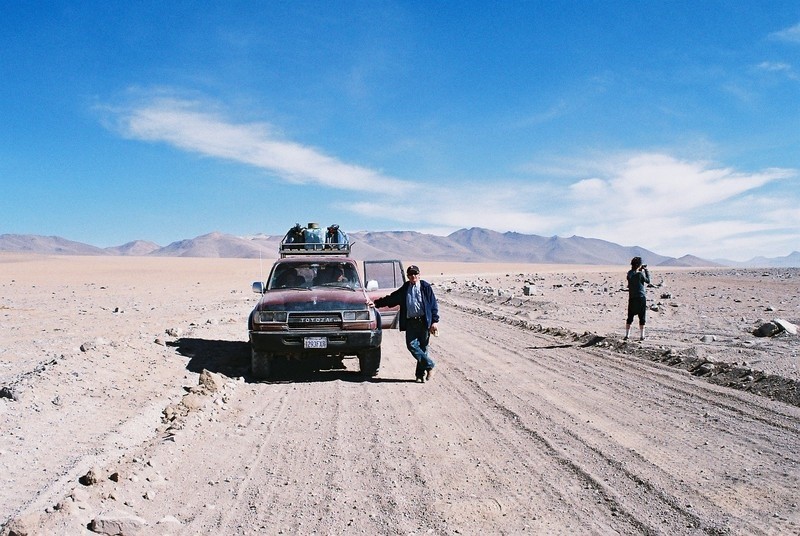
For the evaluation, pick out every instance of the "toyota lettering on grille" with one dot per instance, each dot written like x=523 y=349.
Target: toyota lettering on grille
x=318 y=319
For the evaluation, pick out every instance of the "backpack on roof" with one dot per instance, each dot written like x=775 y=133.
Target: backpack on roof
x=335 y=238
x=295 y=237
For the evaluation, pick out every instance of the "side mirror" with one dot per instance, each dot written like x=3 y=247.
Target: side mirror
x=259 y=287
x=372 y=285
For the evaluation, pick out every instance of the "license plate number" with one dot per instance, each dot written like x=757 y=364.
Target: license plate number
x=315 y=342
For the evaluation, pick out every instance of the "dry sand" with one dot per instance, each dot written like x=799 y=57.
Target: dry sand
x=539 y=420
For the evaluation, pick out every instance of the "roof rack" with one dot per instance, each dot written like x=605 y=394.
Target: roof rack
x=311 y=241
x=313 y=248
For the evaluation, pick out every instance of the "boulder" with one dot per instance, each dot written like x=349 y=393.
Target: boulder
x=767 y=329
x=118 y=523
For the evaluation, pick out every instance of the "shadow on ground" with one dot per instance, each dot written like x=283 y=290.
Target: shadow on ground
x=232 y=359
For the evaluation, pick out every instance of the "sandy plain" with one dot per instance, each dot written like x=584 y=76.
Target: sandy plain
x=127 y=406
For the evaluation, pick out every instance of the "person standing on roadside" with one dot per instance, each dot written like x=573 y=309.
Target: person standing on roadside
x=638 y=277
x=419 y=316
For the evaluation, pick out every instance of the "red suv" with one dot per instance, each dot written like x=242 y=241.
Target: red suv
x=314 y=305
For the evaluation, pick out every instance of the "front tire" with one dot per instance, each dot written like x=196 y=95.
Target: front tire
x=261 y=364
x=369 y=361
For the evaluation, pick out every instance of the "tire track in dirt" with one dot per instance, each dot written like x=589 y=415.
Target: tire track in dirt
x=516 y=433
x=559 y=372
x=588 y=465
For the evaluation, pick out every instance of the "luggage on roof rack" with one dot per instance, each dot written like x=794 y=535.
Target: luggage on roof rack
x=335 y=238
x=309 y=240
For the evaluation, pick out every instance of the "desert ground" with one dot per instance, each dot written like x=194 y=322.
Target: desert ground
x=127 y=407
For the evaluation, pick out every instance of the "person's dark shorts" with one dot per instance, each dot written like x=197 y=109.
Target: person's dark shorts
x=637 y=307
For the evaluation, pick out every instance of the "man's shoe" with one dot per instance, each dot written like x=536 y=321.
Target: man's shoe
x=429 y=374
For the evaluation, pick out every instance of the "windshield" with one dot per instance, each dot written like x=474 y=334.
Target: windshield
x=315 y=274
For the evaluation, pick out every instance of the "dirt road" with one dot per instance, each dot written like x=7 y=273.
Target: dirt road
x=519 y=431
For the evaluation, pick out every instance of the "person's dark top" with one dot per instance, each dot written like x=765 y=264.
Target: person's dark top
x=398 y=297
x=637 y=281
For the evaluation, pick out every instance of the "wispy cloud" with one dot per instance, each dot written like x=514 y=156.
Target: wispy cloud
x=778 y=67
x=658 y=184
x=678 y=206
x=188 y=126
x=790 y=35
x=502 y=207
x=670 y=205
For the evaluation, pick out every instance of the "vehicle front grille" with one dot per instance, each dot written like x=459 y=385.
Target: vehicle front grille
x=315 y=321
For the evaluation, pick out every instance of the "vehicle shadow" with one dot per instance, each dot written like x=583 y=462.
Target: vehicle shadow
x=232 y=359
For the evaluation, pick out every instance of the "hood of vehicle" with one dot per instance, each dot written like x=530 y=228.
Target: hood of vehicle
x=314 y=299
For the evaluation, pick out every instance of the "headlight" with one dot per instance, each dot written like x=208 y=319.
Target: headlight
x=355 y=315
x=272 y=316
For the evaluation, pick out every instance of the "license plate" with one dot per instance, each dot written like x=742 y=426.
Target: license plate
x=315 y=342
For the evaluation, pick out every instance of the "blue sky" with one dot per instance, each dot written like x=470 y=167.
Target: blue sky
x=670 y=125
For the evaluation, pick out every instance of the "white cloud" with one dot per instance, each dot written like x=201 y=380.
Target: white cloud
x=658 y=185
x=497 y=206
x=778 y=67
x=669 y=205
x=791 y=34
x=184 y=125
x=676 y=207
x=774 y=66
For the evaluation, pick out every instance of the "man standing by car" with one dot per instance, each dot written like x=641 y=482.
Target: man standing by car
x=418 y=317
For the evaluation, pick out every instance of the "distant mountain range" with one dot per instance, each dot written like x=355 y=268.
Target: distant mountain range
x=465 y=245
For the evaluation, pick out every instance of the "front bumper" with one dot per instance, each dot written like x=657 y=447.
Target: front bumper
x=339 y=343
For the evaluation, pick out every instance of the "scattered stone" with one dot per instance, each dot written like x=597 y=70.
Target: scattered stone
x=708 y=338
x=8 y=392
x=528 y=290
x=160 y=341
x=92 y=477
x=666 y=296
x=705 y=369
x=767 y=329
x=114 y=477
x=22 y=526
x=786 y=325
x=194 y=401
x=88 y=346
x=173 y=332
x=118 y=524
x=170 y=521
x=211 y=381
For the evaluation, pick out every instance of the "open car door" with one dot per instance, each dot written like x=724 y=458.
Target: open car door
x=382 y=278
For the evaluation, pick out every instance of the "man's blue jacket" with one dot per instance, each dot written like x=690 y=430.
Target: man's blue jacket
x=398 y=297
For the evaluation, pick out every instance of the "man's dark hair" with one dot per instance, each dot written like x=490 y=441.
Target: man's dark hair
x=636 y=262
